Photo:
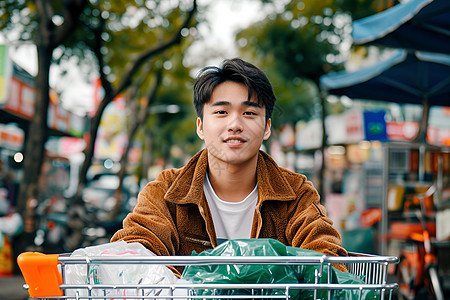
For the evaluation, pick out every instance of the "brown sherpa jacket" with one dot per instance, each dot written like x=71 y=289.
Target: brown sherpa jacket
x=172 y=216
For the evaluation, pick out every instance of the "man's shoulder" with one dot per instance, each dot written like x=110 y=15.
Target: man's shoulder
x=296 y=180
x=168 y=175
x=163 y=181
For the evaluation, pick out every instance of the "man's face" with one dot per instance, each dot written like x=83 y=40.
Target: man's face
x=233 y=127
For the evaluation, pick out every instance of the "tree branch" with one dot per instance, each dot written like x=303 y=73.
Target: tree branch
x=176 y=38
x=110 y=93
x=141 y=117
x=96 y=48
x=71 y=13
x=150 y=98
x=45 y=10
x=45 y=13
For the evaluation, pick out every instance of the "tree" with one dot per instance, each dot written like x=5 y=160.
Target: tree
x=124 y=81
x=166 y=111
x=40 y=22
x=121 y=35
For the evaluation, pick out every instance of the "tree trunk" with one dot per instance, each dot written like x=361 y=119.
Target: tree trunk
x=323 y=148
x=142 y=116
x=123 y=171
x=49 y=36
x=324 y=144
x=37 y=132
x=421 y=136
x=34 y=148
x=89 y=150
x=147 y=155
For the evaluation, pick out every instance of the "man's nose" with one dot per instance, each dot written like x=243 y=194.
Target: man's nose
x=235 y=124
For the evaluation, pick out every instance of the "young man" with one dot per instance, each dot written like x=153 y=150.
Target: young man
x=231 y=189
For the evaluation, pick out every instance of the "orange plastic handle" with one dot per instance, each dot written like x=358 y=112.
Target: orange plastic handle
x=41 y=273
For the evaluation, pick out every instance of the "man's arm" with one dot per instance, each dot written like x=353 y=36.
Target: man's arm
x=313 y=230
x=310 y=228
x=151 y=223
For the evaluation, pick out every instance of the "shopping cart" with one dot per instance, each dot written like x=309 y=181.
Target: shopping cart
x=45 y=277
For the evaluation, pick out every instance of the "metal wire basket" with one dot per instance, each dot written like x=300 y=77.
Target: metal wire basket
x=45 y=277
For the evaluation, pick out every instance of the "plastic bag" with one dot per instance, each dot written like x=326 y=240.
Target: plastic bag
x=282 y=274
x=118 y=273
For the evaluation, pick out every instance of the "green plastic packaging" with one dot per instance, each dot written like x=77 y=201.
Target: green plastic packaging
x=229 y=274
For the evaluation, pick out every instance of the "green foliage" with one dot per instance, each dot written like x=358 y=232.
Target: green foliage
x=295 y=97
x=294 y=57
x=170 y=129
x=19 y=16
x=128 y=28
x=357 y=9
x=174 y=129
x=301 y=45
x=298 y=45
x=295 y=101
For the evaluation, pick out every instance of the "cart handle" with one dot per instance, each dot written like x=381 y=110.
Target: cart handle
x=41 y=274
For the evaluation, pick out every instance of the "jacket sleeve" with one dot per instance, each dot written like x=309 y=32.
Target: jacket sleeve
x=151 y=223
x=310 y=228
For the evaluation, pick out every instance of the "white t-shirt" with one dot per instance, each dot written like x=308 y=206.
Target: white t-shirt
x=232 y=220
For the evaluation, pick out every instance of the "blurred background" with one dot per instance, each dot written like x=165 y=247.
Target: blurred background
x=96 y=100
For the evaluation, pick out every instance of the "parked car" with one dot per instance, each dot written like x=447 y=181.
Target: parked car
x=100 y=191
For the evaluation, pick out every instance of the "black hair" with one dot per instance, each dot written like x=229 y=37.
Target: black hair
x=235 y=70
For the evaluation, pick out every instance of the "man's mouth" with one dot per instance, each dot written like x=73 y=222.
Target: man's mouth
x=234 y=141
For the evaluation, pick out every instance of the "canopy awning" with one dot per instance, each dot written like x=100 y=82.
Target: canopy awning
x=422 y=25
x=403 y=78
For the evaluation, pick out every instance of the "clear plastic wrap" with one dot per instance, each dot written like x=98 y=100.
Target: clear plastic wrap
x=118 y=273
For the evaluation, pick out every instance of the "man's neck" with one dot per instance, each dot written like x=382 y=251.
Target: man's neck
x=230 y=182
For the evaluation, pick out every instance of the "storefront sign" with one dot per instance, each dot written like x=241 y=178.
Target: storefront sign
x=58 y=117
x=21 y=102
x=438 y=136
x=354 y=122
x=11 y=137
x=375 y=126
x=336 y=129
x=308 y=135
x=21 y=99
x=402 y=131
x=5 y=73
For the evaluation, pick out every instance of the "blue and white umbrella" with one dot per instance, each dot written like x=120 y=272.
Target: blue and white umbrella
x=404 y=78
x=422 y=25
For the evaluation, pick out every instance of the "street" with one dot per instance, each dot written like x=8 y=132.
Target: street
x=11 y=288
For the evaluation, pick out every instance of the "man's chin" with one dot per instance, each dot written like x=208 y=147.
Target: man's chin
x=239 y=159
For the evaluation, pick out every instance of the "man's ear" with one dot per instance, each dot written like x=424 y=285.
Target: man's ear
x=200 y=129
x=267 y=131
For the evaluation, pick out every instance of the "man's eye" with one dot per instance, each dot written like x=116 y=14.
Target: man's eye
x=221 y=112
x=249 y=113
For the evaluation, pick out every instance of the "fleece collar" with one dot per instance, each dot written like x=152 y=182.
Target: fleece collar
x=187 y=187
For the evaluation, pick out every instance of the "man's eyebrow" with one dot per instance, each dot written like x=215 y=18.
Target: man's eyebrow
x=220 y=103
x=245 y=103
x=251 y=103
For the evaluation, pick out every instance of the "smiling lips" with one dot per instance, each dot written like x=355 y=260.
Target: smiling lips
x=234 y=140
